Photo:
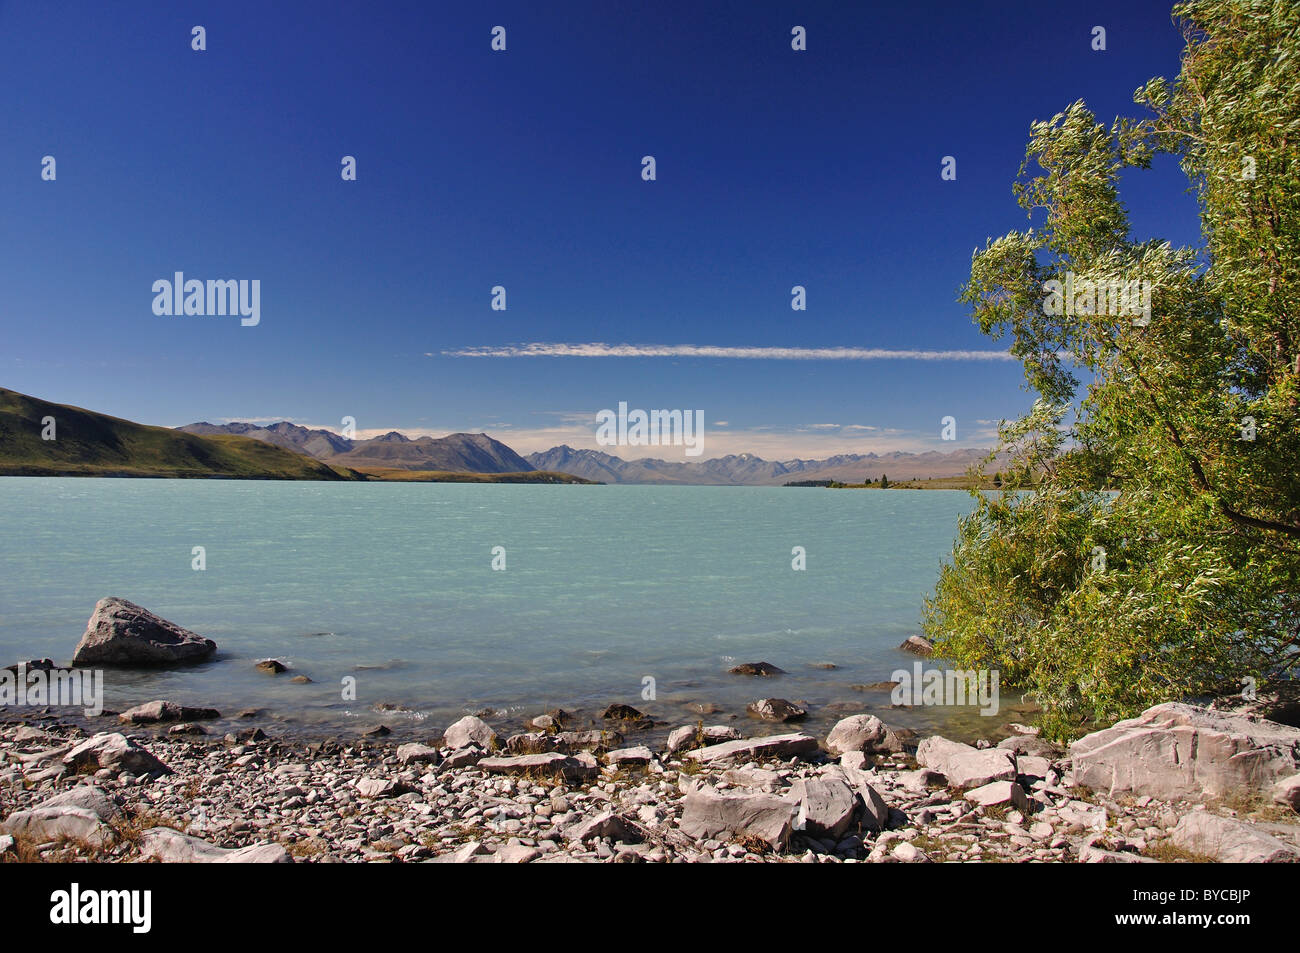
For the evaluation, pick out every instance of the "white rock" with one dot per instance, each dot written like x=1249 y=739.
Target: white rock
x=964 y=766
x=781 y=747
x=864 y=733
x=909 y=853
x=113 y=751
x=1287 y=791
x=636 y=755
x=825 y=806
x=1177 y=750
x=999 y=794
x=41 y=824
x=173 y=847
x=709 y=814
x=470 y=731
x=1230 y=841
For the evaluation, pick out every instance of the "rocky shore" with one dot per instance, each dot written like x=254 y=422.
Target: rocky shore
x=1180 y=783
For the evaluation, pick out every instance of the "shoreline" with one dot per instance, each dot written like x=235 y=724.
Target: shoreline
x=862 y=793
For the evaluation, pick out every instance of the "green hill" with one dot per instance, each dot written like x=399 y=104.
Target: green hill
x=91 y=444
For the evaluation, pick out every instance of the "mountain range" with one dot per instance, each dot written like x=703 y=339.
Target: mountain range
x=479 y=453
x=473 y=453
x=746 y=469
x=41 y=438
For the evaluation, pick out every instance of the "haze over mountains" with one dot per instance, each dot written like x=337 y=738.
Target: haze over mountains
x=746 y=469
x=479 y=453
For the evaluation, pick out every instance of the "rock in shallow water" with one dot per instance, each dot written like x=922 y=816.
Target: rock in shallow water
x=776 y=709
x=759 y=669
x=123 y=633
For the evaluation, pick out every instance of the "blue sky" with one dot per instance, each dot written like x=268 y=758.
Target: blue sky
x=523 y=169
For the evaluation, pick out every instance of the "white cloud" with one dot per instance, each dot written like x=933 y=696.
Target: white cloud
x=596 y=349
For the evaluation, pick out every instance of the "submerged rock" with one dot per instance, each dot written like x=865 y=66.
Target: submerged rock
x=622 y=713
x=759 y=669
x=776 y=709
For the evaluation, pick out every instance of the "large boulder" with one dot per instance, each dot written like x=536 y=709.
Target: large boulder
x=84 y=813
x=1177 y=750
x=116 y=753
x=470 y=731
x=865 y=733
x=89 y=798
x=123 y=633
x=825 y=806
x=707 y=813
x=1230 y=841
x=44 y=824
x=964 y=766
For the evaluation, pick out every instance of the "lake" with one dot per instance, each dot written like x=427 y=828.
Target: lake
x=392 y=584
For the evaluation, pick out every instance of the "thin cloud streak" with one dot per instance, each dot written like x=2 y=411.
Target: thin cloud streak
x=596 y=349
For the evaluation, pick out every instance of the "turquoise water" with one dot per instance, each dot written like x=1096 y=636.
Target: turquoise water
x=392 y=584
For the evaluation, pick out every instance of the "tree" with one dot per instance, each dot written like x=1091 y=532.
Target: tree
x=1186 y=580
x=884 y=482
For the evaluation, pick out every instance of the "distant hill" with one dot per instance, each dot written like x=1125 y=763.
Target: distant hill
x=91 y=444
x=463 y=452
x=314 y=443
x=746 y=469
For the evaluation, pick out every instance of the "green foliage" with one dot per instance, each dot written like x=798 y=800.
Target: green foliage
x=1187 y=578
